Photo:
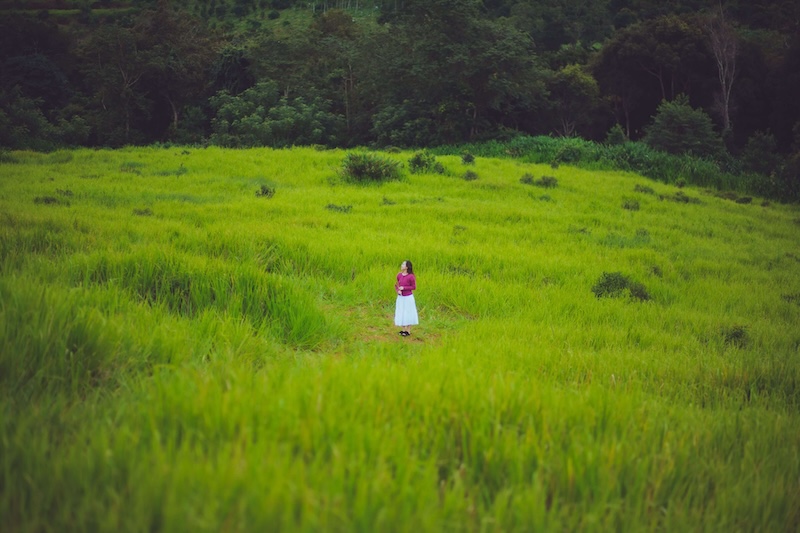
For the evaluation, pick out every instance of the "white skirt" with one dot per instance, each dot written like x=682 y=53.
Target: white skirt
x=405 y=312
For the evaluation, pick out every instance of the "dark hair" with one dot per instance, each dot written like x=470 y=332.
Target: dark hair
x=409 y=266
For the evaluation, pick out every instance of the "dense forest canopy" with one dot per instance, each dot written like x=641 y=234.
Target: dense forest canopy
x=392 y=72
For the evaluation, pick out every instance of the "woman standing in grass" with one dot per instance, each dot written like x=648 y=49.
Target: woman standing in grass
x=405 y=312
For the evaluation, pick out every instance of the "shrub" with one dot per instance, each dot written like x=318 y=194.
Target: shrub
x=467 y=158
x=736 y=336
x=678 y=128
x=548 y=182
x=615 y=284
x=266 y=191
x=362 y=167
x=424 y=161
x=469 y=176
x=339 y=208
x=527 y=179
x=616 y=136
x=630 y=205
x=644 y=189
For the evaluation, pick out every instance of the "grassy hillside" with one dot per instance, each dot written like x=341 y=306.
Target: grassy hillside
x=180 y=353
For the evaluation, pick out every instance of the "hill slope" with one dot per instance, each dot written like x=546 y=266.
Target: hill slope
x=179 y=352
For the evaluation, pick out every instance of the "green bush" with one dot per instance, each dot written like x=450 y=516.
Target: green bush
x=615 y=284
x=424 y=162
x=469 y=175
x=547 y=182
x=677 y=128
x=361 y=167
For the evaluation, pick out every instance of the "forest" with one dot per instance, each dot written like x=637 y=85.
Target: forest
x=723 y=78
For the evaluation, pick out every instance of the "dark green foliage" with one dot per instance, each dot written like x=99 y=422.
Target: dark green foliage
x=64 y=192
x=133 y=167
x=46 y=200
x=387 y=201
x=265 y=191
x=527 y=179
x=644 y=189
x=760 y=154
x=791 y=298
x=362 y=167
x=616 y=136
x=424 y=162
x=736 y=336
x=339 y=208
x=467 y=158
x=469 y=175
x=744 y=200
x=681 y=197
x=679 y=129
x=630 y=205
x=615 y=284
x=146 y=212
x=547 y=182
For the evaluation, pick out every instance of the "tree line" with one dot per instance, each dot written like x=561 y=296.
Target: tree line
x=399 y=72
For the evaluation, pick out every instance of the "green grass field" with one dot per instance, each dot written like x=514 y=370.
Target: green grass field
x=178 y=353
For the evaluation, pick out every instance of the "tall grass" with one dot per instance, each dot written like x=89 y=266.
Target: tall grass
x=180 y=353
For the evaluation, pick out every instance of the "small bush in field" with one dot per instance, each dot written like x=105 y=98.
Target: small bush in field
x=266 y=191
x=527 y=179
x=339 y=208
x=424 y=162
x=615 y=284
x=362 y=167
x=736 y=336
x=469 y=176
x=630 y=205
x=467 y=158
x=644 y=189
x=548 y=182
x=49 y=200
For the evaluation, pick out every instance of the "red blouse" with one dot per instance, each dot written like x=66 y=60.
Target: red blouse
x=408 y=282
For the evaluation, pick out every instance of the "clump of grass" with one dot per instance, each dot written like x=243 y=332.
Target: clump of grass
x=132 y=167
x=6 y=157
x=644 y=189
x=265 y=191
x=180 y=171
x=146 y=212
x=360 y=167
x=792 y=298
x=49 y=200
x=467 y=158
x=387 y=201
x=469 y=175
x=681 y=198
x=424 y=162
x=744 y=200
x=339 y=208
x=736 y=336
x=64 y=192
x=615 y=285
x=630 y=205
x=547 y=182
x=527 y=179
x=545 y=198
x=656 y=271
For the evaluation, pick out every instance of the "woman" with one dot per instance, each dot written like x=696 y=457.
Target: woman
x=405 y=312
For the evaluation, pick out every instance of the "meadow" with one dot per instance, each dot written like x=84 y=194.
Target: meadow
x=201 y=339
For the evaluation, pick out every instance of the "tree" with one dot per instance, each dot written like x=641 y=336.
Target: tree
x=576 y=96
x=724 y=44
x=677 y=128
